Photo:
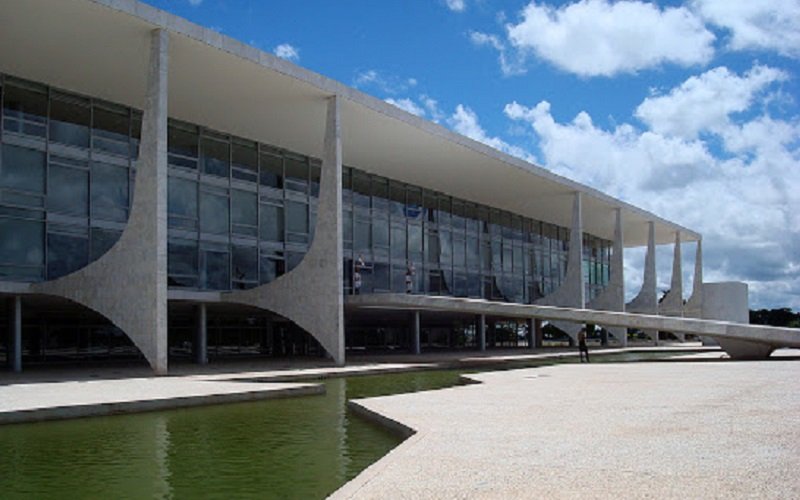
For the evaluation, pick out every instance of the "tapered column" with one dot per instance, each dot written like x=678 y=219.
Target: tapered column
x=481 y=332
x=415 y=327
x=539 y=334
x=694 y=306
x=15 y=333
x=311 y=295
x=572 y=292
x=646 y=302
x=612 y=298
x=672 y=303
x=128 y=284
x=201 y=335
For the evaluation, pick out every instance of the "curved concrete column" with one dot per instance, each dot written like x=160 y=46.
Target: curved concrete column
x=613 y=297
x=646 y=301
x=694 y=306
x=742 y=349
x=672 y=304
x=311 y=294
x=572 y=292
x=128 y=284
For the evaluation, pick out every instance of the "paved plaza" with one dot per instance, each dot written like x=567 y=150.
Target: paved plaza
x=694 y=429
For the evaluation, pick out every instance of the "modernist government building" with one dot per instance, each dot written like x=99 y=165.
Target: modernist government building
x=167 y=192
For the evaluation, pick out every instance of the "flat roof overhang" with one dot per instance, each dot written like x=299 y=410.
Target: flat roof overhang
x=101 y=48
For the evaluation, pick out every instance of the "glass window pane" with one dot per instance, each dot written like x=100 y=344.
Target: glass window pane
x=362 y=236
x=22 y=168
x=102 y=241
x=214 y=272
x=398 y=242
x=69 y=123
x=296 y=174
x=216 y=157
x=109 y=192
x=21 y=102
x=213 y=213
x=244 y=207
x=380 y=232
x=65 y=254
x=111 y=129
x=316 y=176
x=182 y=263
x=182 y=197
x=361 y=194
x=245 y=162
x=68 y=190
x=271 y=223
x=182 y=141
x=271 y=268
x=245 y=264
x=271 y=171
x=296 y=217
x=22 y=242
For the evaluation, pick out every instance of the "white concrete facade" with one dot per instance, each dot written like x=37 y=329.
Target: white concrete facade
x=171 y=68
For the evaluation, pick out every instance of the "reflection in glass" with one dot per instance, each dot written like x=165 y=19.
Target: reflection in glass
x=22 y=168
x=102 y=241
x=182 y=263
x=22 y=242
x=69 y=123
x=110 y=130
x=65 y=253
x=245 y=266
x=68 y=190
x=216 y=157
x=25 y=110
x=271 y=225
x=271 y=171
x=214 y=271
x=213 y=213
x=110 y=192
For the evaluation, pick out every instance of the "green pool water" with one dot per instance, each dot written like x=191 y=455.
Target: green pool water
x=303 y=447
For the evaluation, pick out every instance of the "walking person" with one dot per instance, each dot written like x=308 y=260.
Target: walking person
x=583 y=349
x=410 y=271
x=360 y=265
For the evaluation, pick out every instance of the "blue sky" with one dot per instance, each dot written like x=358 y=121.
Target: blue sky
x=688 y=109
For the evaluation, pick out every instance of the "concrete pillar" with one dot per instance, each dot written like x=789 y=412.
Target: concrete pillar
x=539 y=334
x=646 y=302
x=15 y=333
x=128 y=284
x=612 y=298
x=311 y=294
x=201 y=335
x=531 y=333
x=572 y=292
x=415 y=327
x=672 y=303
x=481 y=332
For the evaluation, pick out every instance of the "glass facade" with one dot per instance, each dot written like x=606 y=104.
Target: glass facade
x=242 y=213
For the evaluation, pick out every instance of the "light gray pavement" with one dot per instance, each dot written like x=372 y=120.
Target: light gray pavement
x=638 y=430
x=59 y=400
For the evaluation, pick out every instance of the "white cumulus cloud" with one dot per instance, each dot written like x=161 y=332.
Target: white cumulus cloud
x=465 y=122
x=745 y=200
x=288 y=52
x=705 y=102
x=756 y=24
x=456 y=5
x=600 y=38
x=407 y=105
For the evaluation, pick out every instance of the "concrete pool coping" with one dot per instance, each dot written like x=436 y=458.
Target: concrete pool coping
x=53 y=395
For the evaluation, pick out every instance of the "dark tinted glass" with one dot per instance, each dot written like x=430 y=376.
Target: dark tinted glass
x=296 y=174
x=245 y=264
x=214 y=270
x=271 y=227
x=68 y=190
x=69 y=123
x=22 y=242
x=213 y=213
x=102 y=241
x=65 y=254
x=182 y=263
x=296 y=217
x=22 y=168
x=245 y=162
x=271 y=171
x=244 y=207
x=109 y=192
x=182 y=197
x=216 y=157
x=111 y=129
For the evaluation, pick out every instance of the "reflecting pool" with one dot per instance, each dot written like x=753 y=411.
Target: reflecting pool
x=303 y=447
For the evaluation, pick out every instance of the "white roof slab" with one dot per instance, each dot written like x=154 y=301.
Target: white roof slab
x=99 y=48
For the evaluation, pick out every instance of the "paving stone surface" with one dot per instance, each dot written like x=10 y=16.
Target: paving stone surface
x=697 y=429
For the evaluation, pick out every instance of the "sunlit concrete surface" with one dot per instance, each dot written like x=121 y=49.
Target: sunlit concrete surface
x=697 y=429
x=82 y=398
